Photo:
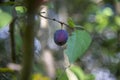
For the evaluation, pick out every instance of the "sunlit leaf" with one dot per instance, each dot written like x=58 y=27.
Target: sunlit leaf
x=77 y=44
x=70 y=23
x=108 y=11
x=102 y=21
x=71 y=75
x=5 y=18
x=20 y=9
x=78 y=72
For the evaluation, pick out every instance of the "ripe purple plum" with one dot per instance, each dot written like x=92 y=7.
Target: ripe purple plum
x=60 y=37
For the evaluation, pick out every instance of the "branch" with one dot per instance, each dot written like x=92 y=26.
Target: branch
x=62 y=23
x=28 y=39
x=12 y=37
x=54 y=20
x=10 y=3
x=5 y=70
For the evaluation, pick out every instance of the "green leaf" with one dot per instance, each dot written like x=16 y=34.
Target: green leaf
x=77 y=44
x=78 y=72
x=70 y=23
x=71 y=75
x=5 y=18
x=20 y=9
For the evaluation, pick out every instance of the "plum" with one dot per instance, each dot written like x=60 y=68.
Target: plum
x=60 y=37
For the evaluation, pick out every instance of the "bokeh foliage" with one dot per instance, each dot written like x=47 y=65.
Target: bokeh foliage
x=101 y=19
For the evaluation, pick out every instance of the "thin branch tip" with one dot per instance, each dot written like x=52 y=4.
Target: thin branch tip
x=62 y=23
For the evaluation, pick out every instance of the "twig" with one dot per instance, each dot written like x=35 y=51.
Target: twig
x=62 y=23
x=54 y=20
x=4 y=70
x=28 y=39
x=10 y=3
x=12 y=35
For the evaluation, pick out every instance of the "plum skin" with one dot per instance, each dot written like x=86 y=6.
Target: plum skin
x=60 y=37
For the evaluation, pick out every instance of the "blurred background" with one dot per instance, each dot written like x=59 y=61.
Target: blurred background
x=101 y=18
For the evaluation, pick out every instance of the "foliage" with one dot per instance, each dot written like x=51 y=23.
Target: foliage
x=79 y=73
x=5 y=18
x=99 y=20
x=71 y=23
x=77 y=44
x=61 y=75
